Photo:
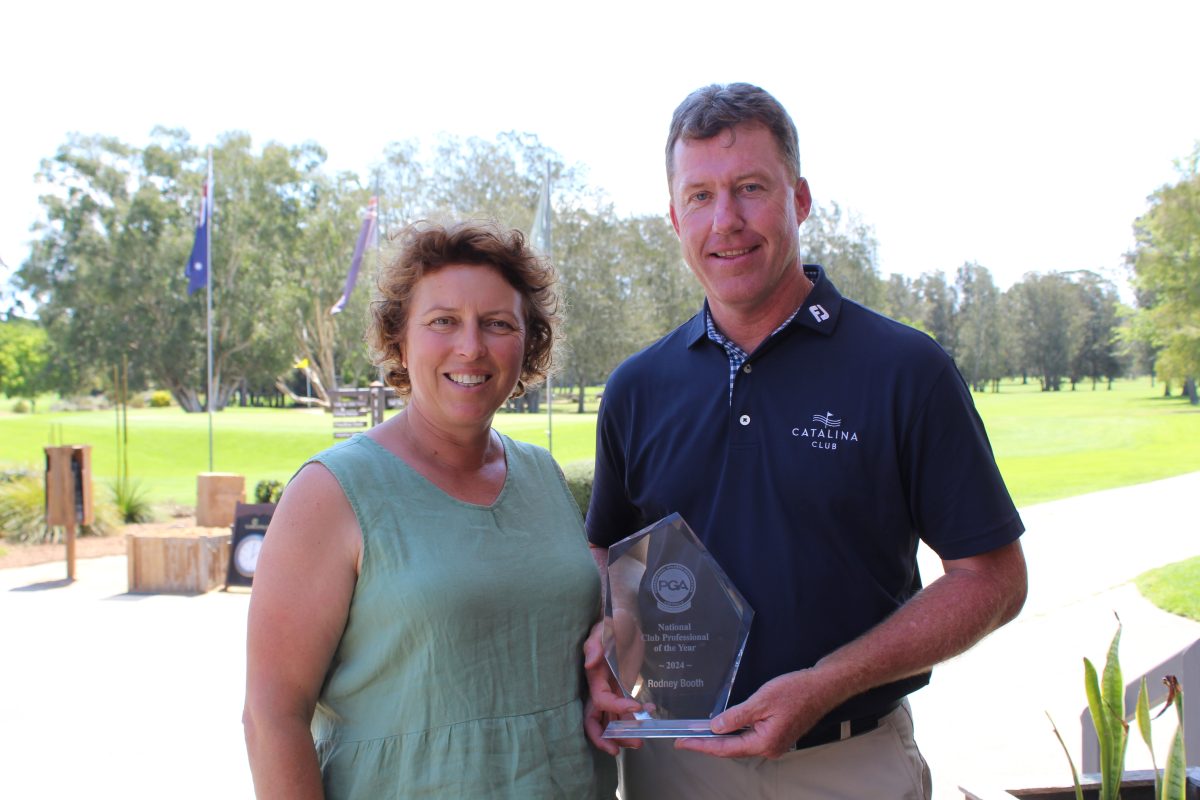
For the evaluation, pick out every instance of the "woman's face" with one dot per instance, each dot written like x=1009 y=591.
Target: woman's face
x=464 y=345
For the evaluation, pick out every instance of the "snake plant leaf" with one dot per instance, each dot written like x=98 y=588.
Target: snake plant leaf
x=1067 y=753
x=1143 y=722
x=1112 y=692
x=1174 y=784
x=1143 y=715
x=1104 y=726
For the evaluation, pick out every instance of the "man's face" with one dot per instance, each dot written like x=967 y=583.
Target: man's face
x=737 y=209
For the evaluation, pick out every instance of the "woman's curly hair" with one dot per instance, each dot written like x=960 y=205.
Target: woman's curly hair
x=425 y=247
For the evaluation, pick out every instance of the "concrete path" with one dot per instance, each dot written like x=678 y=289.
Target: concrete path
x=982 y=721
x=107 y=694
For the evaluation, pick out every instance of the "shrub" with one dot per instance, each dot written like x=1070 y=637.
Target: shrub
x=160 y=399
x=23 y=509
x=17 y=473
x=20 y=407
x=130 y=500
x=579 y=481
x=267 y=491
x=105 y=520
x=82 y=403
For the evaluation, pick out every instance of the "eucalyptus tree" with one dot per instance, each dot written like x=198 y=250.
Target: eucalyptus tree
x=500 y=179
x=329 y=347
x=608 y=316
x=1097 y=352
x=652 y=260
x=901 y=301
x=1041 y=310
x=105 y=267
x=980 y=351
x=263 y=204
x=938 y=309
x=845 y=246
x=1166 y=265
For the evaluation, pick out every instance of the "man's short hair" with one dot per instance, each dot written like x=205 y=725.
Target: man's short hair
x=708 y=111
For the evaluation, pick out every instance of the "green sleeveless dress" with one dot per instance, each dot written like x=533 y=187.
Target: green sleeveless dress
x=459 y=672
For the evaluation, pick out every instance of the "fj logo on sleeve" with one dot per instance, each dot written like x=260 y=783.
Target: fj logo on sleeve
x=819 y=313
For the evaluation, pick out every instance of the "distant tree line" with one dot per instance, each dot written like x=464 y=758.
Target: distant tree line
x=106 y=267
x=1054 y=327
x=106 y=273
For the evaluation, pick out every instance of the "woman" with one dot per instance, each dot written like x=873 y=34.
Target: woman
x=424 y=588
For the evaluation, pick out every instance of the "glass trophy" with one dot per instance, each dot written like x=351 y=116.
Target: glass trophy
x=675 y=627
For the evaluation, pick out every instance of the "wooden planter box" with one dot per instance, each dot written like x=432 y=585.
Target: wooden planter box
x=1137 y=785
x=176 y=564
x=217 y=494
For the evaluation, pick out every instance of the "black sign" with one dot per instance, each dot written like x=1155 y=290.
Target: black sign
x=250 y=521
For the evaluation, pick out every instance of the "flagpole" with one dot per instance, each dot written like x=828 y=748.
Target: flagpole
x=545 y=244
x=208 y=293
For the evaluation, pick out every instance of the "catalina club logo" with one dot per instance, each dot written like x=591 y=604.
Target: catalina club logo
x=826 y=432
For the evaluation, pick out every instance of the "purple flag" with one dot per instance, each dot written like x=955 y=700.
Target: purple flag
x=365 y=236
x=197 y=266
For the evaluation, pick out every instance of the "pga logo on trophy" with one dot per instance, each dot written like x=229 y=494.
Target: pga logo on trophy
x=673 y=586
x=675 y=628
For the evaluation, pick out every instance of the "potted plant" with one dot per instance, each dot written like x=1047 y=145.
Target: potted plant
x=1106 y=703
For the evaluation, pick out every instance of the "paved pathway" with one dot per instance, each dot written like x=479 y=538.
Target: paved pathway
x=107 y=694
x=982 y=720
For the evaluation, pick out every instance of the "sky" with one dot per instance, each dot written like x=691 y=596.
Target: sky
x=1022 y=136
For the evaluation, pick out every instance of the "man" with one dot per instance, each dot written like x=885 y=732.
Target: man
x=810 y=443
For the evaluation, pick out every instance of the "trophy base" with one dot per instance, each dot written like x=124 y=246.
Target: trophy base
x=659 y=729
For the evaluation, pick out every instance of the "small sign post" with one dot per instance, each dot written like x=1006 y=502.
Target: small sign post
x=355 y=410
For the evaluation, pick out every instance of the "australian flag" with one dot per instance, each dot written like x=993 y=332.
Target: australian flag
x=197 y=266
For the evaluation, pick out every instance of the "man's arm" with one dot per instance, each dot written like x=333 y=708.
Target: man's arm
x=974 y=597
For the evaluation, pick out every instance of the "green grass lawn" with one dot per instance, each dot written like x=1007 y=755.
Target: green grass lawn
x=168 y=448
x=1174 y=588
x=1049 y=445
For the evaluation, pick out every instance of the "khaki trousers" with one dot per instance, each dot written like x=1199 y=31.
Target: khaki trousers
x=883 y=764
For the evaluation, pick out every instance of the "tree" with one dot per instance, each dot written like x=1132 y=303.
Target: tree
x=263 y=211
x=845 y=246
x=1041 y=308
x=330 y=346
x=1166 y=265
x=607 y=317
x=501 y=180
x=980 y=356
x=901 y=301
x=938 y=305
x=105 y=270
x=650 y=252
x=24 y=357
x=1095 y=329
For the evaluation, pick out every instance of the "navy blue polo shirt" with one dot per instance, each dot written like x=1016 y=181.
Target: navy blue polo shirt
x=847 y=437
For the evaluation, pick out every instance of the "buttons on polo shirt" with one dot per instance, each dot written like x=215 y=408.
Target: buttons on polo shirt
x=748 y=369
x=744 y=419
